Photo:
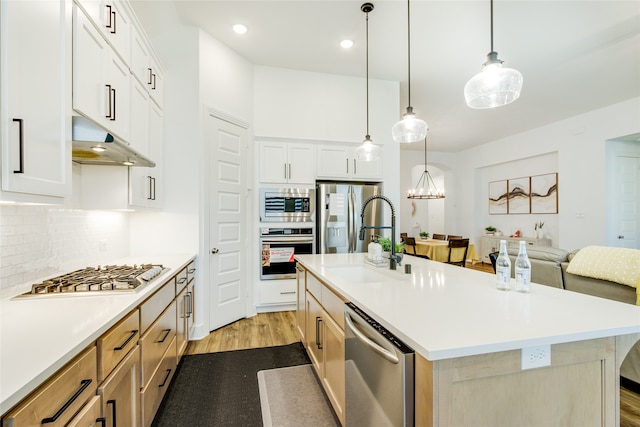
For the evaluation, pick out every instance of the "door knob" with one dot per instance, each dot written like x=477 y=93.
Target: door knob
x=214 y=250
x=620 y=236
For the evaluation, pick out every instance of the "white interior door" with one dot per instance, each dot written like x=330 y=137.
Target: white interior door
x=227 y=221
x=626 y=202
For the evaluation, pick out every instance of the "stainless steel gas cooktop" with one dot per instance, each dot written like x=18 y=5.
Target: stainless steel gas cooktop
x=92 y=280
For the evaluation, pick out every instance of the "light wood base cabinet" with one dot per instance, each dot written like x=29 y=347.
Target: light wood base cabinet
x=492 y=389
x=90 y=415
x=151 y=396
x=324 y=339
x=120 y=392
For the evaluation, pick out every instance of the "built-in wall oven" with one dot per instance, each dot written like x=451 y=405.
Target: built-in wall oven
x=278 y=247
x=287 y=205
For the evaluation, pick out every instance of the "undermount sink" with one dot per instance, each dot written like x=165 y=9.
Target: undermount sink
x=366 y=273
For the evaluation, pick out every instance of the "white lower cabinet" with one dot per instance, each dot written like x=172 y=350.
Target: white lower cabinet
x=36 y=154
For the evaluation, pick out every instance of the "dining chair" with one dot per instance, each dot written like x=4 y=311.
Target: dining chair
x=451 y=236
x=455 y=244
x=411 y=241
x=493 y=256
x=403 y=237
x=440 y=236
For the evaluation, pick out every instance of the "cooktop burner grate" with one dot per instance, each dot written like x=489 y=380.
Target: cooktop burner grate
x=101 y=278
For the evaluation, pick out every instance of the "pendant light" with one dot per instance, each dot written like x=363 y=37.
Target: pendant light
x=410 y=128
x=495 y=85
x=426 y=188
x=367 y=151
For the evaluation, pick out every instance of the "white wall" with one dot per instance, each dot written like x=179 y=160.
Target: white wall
x=577 y=144
x=303 y=105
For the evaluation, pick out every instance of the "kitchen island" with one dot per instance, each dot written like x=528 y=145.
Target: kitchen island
x=42 y=334
x=470 y=340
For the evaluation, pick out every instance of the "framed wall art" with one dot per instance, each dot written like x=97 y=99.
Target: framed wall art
x=498 y=197
x=544 y=193
x=518 y=201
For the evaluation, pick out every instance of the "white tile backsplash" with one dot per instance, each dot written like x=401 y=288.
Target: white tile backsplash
x=40 y=241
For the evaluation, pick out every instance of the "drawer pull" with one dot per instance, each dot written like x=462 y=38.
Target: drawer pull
x=120 y=347
x=113 y=412
x=182 y=280
x=102 y=420
x=191 y=270
x=165 y=378
x=287 y=293
x=83 y=385
x=166 y=334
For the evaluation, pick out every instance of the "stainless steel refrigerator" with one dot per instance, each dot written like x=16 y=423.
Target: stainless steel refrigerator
x=338 y=209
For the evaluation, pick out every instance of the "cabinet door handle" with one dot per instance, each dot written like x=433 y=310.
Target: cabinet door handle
x=354 y=166
x=153 y=87
x=83 y=385
x=113 y=30
x=285 y=171
x=123 y=345
x=108 y=116
x=21 y=146
x=289 y=170
x=110 y=12
x=318 y=343
x=347 y=165
x=113 y=118
x=189 y=304
x=102 y=420
x=150 y=190
x=165 y=379
x=113 y=411
x=166 y=334
x=150 y=74
x=154 y=188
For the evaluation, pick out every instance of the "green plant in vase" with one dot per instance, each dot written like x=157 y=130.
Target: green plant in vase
x=424 y=235
x=385 y=242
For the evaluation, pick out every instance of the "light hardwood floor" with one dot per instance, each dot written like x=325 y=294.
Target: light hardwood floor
x=270 y=329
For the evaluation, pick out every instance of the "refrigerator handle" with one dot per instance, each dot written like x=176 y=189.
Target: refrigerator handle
x=352 y=220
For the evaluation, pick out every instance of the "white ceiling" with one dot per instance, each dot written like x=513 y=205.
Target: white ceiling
x=575 y=56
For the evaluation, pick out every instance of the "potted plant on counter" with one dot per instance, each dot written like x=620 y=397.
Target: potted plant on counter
x=490 y=229
x=385 y=242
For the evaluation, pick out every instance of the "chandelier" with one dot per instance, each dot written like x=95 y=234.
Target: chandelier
x=426 y=188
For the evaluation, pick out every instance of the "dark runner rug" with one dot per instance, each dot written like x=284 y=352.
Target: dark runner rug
x=221 y=389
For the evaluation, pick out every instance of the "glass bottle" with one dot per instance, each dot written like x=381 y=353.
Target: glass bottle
x=523 y=269
x=503 y=268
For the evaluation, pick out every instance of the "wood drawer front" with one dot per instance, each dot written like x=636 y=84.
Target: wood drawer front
x=277 y=292
x=151 y=396
x=154 y=306
x=181 y=280
x=121 y=392
x=73 y=385
x=314 y=286
x=88 y=415
x=191 y=271
x=333 y=305
x=155 y=342
x=114 y=345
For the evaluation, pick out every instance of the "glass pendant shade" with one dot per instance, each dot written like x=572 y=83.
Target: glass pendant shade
x=409 y=129
x=494 y=86
x=368 y=151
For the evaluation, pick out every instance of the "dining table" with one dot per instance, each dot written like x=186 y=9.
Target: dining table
x=438 y=250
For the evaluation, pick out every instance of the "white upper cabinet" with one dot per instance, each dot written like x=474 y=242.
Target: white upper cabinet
x=339 y=161
x=100 y=78
x=36 y=152
x=287 y=162
x=146 y=184
x=145 y=67
x=113 y=20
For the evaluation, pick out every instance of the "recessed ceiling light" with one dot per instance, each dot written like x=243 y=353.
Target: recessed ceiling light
x=98 y=148
x=240 y=29
x=346 y=44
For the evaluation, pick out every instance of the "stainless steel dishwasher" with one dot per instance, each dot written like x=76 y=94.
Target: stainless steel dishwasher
x=379 y=373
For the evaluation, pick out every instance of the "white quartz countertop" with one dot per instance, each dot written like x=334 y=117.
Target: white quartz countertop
x=40 y=335
x=445 y=311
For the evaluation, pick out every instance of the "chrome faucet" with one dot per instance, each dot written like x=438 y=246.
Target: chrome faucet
x=394 y=259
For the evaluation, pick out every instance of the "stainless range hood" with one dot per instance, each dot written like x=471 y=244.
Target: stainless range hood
x=92 y=145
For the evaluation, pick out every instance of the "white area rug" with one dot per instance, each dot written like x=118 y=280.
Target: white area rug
x=293 y=397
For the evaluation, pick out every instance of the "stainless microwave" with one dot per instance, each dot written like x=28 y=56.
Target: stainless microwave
x=287 y=205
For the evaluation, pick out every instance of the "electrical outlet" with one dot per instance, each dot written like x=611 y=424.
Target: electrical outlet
x=536 y=357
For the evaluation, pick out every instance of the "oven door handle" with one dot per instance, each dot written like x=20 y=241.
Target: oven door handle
x=288 y=240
